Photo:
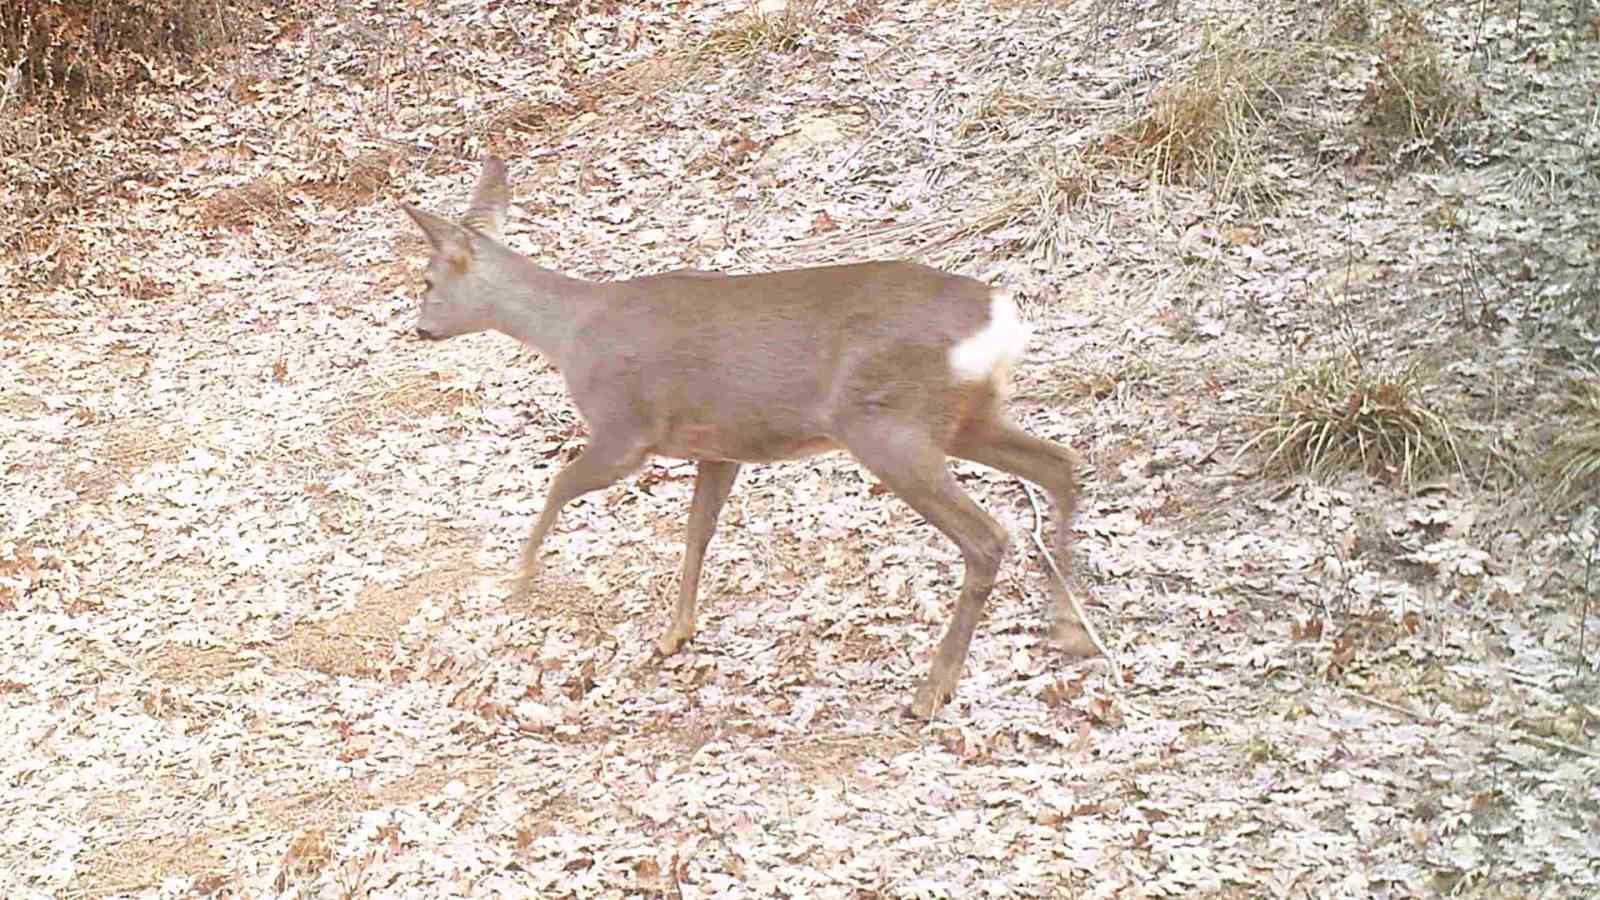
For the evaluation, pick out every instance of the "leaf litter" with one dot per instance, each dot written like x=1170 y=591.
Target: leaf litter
x=255 y=544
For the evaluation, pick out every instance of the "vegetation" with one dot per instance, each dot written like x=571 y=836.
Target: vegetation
x=1414 y=99
x=756 y=31
x=1211 y=124
x=1242 y=99
x=1575 y=465
x=83 y=54
x=1345 y=412
x=246 y=517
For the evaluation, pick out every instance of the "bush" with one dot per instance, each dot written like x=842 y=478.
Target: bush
x=1349 y=412
x=1414 y=99
x=84 y=54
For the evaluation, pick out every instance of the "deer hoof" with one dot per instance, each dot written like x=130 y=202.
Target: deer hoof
x=1073 y=640
x=928 y=701
x=523 y=585
x=671 y=642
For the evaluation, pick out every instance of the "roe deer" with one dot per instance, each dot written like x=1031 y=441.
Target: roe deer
x=900 y=364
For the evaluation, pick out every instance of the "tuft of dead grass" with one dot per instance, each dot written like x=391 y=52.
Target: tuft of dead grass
x=383 y=398
x=1210 y=125
x=1414 y=100
x=988 y=114
x=1041 y=213
x=1350 y=22
x=356 y=182
x=537 y=117
x=270 y=199
x=138 y=863
x=360 y=642
x=264 y=201
x=67 y=68
x=1343 y=413
x=1035 y=219
x=1217 y=123
x=194 y=665
x=1073 y=382
x=757 y=31
x=1574 y=468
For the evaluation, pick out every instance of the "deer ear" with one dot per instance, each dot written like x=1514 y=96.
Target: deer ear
x=444 y=235
x=489 y=200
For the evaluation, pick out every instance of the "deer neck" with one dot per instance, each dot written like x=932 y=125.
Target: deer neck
x=537 y=306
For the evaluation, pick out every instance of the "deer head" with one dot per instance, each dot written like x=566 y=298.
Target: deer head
x=459 y=285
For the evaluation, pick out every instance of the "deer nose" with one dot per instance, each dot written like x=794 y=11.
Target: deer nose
x=425 y=334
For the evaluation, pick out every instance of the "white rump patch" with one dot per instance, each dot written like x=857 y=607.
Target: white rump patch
x=988 y=353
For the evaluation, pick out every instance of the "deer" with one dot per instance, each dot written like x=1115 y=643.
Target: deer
x=901 y=365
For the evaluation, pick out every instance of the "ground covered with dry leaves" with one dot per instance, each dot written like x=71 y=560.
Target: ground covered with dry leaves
x=255 y=633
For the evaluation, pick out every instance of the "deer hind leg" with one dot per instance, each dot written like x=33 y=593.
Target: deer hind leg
x=603 y=463
x=711 y=486
x=909 y=462
x=1001 y=445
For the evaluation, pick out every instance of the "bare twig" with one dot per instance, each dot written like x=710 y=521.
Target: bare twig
x=1492 y=730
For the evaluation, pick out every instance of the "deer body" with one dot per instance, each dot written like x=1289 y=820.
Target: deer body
x=898 y=363
x=764 y=367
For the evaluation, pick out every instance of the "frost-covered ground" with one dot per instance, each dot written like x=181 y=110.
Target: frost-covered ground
x=254 y=630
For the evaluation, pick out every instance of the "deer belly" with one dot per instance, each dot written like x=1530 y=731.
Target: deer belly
x=741 y=445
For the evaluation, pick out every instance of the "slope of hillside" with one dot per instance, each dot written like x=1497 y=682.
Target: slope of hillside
x=1313 y=289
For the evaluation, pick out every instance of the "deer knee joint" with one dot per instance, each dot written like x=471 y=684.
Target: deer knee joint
x=989 y=550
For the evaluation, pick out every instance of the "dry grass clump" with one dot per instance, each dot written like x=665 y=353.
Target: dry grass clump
x=757 y=31
x=1414 y=100
x=1059 y=185
x=383 y=399
x=1350 y=22
x=1218 y=122
x=1344 y=413
x=1574 y=467
x=83 y=54
x=990 y=113
x=536 y=117
x=264 y=201
x=60 y=62
x=269 y=200
x=1035 y=219
x=1209 y=126
x=1101 y=380
x=355 y=182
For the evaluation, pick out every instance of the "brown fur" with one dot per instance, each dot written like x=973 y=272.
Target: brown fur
x=754 y=368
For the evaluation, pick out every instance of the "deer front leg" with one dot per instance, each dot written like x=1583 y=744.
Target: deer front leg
x=711 y=486
x=604 y=462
